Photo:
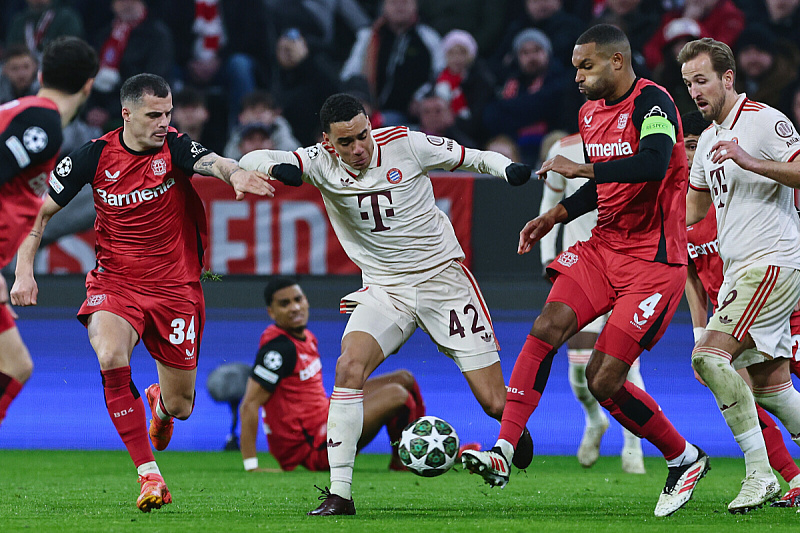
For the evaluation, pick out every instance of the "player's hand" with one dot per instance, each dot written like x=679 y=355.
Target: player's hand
x=25 y=291
x=561 y=165
x=287 y=174
x=533 y=231
x=251 y=181
x=518 y=174
x=724 y=150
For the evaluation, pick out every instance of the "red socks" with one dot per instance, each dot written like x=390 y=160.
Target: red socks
x=637 y=412
x=9 y=388
x=126 y=409
x=525 y=387
x=779 y=457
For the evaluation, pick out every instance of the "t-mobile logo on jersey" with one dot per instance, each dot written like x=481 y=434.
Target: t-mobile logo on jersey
x=376 y=209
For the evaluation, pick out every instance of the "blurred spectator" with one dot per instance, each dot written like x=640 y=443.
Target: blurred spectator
x=638 y=19
x=677 y=33
x=190 y=115
x=18 y=75
x=41 y=22
x=718 y=19
x=466 y=83
x=535 y=98
x=396 y=56
x=791 y=105
x=358 y=86
x=436 y=118
x=562 y=28
x=762 y=72
x=256 y=137
x=782 y=18
x=225 y=47
x=134 y=43
x=328 y=26
x=258 y=107
x=503 y=144
x=483 y=19
x=302 y=82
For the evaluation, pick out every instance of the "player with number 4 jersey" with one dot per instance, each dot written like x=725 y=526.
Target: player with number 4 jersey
x=634 y=264
x=380 y=201
x=146 y=286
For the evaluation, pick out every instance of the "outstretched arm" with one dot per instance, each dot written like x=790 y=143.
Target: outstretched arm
x=25 y=291
x=228 y=170
x=254 y=397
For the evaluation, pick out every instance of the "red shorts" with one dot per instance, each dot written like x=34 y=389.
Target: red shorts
x=311 y=453
x=6 y=320
x=169 y=320
x=641 y=295
x=794 y=323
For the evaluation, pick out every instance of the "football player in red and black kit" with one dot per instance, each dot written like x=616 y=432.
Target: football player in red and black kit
x=30 y=138
x=702 y=286
x=286 y=381
x=150 y=231
x=634 y=265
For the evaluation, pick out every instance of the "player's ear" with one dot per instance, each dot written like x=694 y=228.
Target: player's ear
x=325 y=137
x=126 y=114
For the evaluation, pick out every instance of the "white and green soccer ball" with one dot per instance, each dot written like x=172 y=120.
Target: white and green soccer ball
x=428 y=446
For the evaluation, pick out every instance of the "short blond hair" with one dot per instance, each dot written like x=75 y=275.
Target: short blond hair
x=721 y=55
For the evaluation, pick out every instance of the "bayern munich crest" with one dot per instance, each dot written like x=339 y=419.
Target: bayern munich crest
x=394 y=175
x=568 y=259
x=95 y=299
x=159 y=166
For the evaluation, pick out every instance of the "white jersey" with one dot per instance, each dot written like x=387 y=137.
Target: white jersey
x=556 y=188
x=385 y=216
x=756 y=219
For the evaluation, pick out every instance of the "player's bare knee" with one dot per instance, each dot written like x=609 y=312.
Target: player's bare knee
x=110 y=360
x=395 y=393
x=179 y=407
x=493 y=406
x=24 y=370
x=603 y=385
x=350 y=371
x=552 y=328
x=404 y=378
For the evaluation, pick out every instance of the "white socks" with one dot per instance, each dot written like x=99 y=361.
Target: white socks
x=736 y=402
x=148 y=468
x=783 y=401
x=345 y=423
x=689 y=455
x=577 y=380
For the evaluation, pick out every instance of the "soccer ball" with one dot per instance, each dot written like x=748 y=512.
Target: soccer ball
x=428 y=446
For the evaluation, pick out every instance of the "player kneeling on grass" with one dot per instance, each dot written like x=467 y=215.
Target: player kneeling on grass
x=146 y=285
x=286 y=381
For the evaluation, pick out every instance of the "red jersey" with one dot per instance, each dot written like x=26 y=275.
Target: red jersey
x=703 y=247
x=30 y=138
x=645 y=220
x=291 y=370
x=151 y=225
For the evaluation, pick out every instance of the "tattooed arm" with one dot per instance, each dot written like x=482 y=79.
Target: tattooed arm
x=25 y=291
x=229 y=171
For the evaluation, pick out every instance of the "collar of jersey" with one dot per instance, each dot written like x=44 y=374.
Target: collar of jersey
x=374 y=163
x=151 y=151
x=733 y=114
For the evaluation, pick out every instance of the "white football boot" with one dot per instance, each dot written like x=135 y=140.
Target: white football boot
x=680 y=485
x=491 y=466
x=757 y=489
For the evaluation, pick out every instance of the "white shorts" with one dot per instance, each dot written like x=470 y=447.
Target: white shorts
x=448 y=307
x=758 y=303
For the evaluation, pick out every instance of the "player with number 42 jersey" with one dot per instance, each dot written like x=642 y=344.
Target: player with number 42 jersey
x=380 y=201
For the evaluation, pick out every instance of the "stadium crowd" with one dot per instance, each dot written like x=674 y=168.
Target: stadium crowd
x=472 y=70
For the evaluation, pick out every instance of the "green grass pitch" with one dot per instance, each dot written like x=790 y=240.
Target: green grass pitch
x=45 y=491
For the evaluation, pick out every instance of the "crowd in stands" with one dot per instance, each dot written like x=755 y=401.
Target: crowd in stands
x=252 y=74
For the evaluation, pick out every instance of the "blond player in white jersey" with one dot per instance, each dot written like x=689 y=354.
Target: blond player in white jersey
x=380 y=201
x=743 y=164
x=580 y=345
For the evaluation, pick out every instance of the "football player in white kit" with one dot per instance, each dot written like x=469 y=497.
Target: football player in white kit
x=580 y=345
x=743 y=164
x=380 y=202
